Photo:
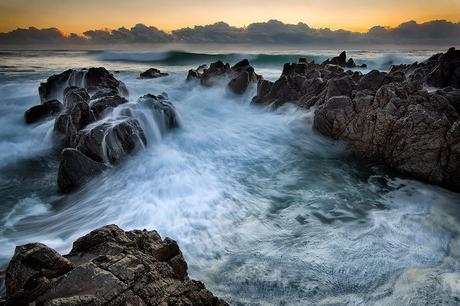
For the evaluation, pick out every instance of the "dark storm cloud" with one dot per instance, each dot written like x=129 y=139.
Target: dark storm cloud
x=273 y=31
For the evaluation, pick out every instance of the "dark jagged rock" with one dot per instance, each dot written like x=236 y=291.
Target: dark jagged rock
x=77 y=115
x=440 y=70
x=238 y=77
x=105 y=267
x=152 y=73
x=76 y=169
x=164 y=112
x=105 y=104
x=94 y=80
x=39 y=112
x=110 y=142
x=342 y=61
x=387 y=117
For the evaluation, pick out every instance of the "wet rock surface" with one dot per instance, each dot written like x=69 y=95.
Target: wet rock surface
x=94 y=80
x=342 y=61
x=108 y=266
x=40 y=112
x=238 y=77
x=92 y=137
x=385 y=117
x=152 y=73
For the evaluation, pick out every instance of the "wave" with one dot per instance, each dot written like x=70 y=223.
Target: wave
x=374 y=60
x=184 y=57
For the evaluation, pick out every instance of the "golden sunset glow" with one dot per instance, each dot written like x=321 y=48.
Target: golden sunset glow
x=357 y=15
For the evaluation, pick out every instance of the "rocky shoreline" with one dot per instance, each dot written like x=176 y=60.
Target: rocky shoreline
x=108 y=266
x=407 y=118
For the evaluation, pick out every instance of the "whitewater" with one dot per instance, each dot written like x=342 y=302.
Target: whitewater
x=266 y=211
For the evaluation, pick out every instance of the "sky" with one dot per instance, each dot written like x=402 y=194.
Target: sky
x=355 y=15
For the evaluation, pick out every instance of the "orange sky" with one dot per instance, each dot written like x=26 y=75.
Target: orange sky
x=358 y=15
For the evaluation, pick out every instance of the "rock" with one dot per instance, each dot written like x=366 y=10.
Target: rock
x=75 y=118
x=106 y=267
x=39 y=112
x=440 y=70
x=342 y=61
x=103 y=105
x=31 y=270
x=163 y=110
x=403 y=126
x=372 y=80
x=152 y=73
x=385 y=117
x=93 y=80
x=74 y=95
x=111 y=141
x=238 y=77
x=76 y=169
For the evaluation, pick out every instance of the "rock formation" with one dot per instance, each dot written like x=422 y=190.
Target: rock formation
x=388 y=117
x=42 y=111
x=342 y=61
x=92 y=139
x=105 y=267
x=152 y=73
x=238 y=77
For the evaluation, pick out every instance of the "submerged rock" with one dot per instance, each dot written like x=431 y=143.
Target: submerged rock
x=43 y=111
x=152 y=73
x=238 y=77
x=105 y=267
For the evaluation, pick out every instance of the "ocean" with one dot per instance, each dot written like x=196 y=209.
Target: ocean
x=266 y=211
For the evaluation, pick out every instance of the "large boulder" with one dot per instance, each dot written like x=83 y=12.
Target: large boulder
x=105 y=267
x=152 y=73
x=111 y=141
x=103 y=105
x=238 y=77
x=164 y=112
x=42 y=111
x=76 y=169
x=94 y=80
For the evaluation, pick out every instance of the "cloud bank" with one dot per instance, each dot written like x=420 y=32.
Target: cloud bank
x=270 y=32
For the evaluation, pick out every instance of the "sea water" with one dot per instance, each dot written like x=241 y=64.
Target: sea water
x=266 y=211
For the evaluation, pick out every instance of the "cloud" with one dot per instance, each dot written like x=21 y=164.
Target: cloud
x=270 y=32
x=34 y=36
x=138 y=34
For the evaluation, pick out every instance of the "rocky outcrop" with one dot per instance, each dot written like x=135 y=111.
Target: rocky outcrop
x=238 y=77
x=152 y=73
x=105 y=267
x=94 y=80
x=92 y=136
x=387 y=117
x=440 y=70
x=40 y=112
x=342 y=61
